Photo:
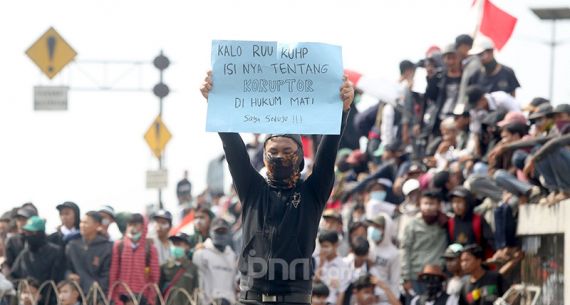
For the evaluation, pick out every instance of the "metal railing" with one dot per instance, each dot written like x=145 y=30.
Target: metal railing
x=96 y=296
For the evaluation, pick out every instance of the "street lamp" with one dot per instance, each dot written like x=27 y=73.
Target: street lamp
x=552 y=14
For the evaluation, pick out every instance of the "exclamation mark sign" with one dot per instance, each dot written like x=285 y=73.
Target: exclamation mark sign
x=51 y=51
x=157 y=130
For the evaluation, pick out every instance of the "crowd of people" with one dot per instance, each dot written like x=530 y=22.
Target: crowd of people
x=425 y=212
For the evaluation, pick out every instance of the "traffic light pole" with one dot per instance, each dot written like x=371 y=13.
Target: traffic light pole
x=161 y=90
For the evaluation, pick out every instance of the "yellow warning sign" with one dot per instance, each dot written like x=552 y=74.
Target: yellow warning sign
x=51 y=53
x=157 y=136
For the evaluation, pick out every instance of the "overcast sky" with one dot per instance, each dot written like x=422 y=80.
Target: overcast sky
x=95 y=154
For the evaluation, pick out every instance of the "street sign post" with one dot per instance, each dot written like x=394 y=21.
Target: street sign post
x=50 y=97
x=157 y=136
x=156 y=179
x=51 y=53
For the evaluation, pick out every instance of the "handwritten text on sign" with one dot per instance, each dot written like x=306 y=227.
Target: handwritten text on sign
x=273 y=87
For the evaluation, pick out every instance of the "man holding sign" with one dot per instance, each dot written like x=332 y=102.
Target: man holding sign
x=281 y=213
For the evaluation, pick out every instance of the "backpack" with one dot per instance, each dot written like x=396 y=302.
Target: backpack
x=147 y=246
x=477 y=225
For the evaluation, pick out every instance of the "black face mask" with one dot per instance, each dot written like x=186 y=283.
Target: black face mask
x=434 y=286
x=283 y=171
x=221 y=240
x=430 y=219
x=490 y=66
x=35 y=241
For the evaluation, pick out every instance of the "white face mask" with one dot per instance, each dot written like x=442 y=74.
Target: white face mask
x=378 y=195
x=375 y=234
x=105 y=222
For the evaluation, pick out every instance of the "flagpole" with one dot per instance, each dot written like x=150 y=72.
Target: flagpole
x=479 y=6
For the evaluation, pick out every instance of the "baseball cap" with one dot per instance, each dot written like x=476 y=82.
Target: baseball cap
x=107 y=209
x=432 y=193
x=164 y=214
x=410 y=186
x=26 y=212
x=513 y=117
x=220 y=223
x=481 y=44
x=453 y=251
x=378 y=220
x=542 y=111
x=449 y=49
x=35 y=224
x=7 y=216
x=432 y=50
x=474 y=250
x=417 y=167
x=537 y=101
x=460 y=192
x=183 y=237
x=331 y=213
x=67 y=204
x=562 y=108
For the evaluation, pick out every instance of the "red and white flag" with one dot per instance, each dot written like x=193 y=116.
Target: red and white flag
x=495 y=23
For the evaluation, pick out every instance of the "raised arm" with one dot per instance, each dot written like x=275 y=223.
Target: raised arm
x=322 y=178
x=239 y=163
x=527 y=143
x=551 y=146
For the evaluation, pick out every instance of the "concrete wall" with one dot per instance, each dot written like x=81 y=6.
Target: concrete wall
x=541 y=220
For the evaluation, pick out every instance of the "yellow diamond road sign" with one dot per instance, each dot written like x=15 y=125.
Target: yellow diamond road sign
x=51 y=53
x=157 y=136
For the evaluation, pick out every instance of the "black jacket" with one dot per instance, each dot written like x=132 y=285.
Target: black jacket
x=280 y=226
x=14 y=246
x=45 y=264
x=90 y=261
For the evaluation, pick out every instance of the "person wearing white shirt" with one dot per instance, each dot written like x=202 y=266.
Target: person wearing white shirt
x=358 y=261
x=331 y=268
x=480 y=103
x=217 y=267
x=383 y=254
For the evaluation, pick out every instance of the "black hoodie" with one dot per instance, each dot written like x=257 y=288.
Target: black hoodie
x=91 y=261
x=43 y=263
x=58 y=238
